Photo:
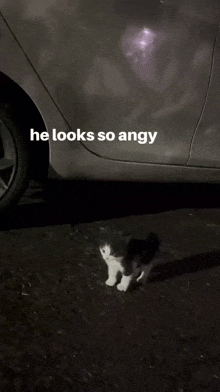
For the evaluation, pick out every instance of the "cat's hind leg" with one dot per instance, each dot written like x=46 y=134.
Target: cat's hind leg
x=145 y=273
x=141 y=276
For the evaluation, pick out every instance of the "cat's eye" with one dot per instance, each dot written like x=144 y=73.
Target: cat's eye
x=103 y=250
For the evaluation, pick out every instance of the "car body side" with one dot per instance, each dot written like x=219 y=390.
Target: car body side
x=60 y=109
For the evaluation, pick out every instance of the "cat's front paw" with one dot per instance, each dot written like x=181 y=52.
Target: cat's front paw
x=110 y=282
x=120 y=287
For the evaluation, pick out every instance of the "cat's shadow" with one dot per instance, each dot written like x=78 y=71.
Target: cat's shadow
x=187 y=265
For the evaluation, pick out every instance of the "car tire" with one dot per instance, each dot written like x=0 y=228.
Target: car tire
x=14 y=157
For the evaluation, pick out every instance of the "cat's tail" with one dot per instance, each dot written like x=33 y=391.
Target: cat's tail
x=153 y=241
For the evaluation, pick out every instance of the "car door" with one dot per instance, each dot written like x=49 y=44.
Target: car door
x=205 y=149
x=135 y=73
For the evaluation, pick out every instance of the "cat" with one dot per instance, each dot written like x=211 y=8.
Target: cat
x=132 y=258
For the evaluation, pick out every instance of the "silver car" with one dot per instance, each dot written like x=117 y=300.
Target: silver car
x=108 y=90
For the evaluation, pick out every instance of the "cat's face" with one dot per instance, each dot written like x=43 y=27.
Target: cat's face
x=106 y=251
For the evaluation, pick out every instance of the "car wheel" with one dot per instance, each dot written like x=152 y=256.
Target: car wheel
x=14 y=159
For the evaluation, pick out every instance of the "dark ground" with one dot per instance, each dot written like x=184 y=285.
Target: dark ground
x=63 y=330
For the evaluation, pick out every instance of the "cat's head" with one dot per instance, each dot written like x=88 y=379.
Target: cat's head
x=113 y=244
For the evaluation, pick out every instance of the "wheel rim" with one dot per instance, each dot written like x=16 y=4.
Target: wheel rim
x=7 y=159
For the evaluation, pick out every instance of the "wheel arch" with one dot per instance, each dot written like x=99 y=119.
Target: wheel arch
x=26 y=112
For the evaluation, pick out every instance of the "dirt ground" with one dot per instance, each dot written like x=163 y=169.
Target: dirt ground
x=63 y=329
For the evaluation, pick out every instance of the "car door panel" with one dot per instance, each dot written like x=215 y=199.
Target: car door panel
x=205 y=149
x=122 y=66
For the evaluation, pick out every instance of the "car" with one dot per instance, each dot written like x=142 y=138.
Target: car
x=108 y=90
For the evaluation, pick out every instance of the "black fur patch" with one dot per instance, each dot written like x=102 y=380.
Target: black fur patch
x=142 y=251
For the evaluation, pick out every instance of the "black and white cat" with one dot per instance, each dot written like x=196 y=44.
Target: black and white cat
x=132 y=258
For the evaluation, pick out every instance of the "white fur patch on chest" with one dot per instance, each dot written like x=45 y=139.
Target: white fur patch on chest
x=112 y=262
